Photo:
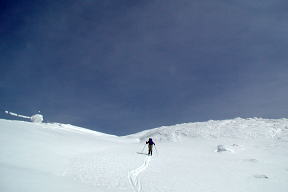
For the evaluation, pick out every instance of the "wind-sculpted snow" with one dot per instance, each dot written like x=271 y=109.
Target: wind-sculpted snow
x=251 y=128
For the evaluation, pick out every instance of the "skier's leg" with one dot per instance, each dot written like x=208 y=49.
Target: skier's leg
x=150 y=150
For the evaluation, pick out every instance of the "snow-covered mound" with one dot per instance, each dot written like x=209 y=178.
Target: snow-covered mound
x=251 y=128
x=232 y=155
x=37 y=118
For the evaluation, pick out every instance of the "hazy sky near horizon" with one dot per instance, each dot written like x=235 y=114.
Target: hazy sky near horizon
x=120 y=67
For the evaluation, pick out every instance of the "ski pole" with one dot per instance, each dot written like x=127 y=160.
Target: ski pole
x=156 y=150
x=143 y=148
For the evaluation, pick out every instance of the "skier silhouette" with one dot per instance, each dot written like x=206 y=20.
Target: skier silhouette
x=150 y=146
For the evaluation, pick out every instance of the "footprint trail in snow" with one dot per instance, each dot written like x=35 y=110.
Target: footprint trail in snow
x=133 y=175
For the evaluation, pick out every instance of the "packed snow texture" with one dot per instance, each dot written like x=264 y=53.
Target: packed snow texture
x=239 y=155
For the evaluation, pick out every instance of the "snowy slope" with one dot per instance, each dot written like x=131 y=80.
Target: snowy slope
x=252 y=128
x=40 y=157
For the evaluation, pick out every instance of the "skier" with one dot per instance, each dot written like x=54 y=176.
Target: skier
x=150 y=146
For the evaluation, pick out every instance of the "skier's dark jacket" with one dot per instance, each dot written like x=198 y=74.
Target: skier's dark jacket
x=150 y=142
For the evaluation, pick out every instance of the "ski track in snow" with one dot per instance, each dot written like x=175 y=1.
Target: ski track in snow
x=133 y=175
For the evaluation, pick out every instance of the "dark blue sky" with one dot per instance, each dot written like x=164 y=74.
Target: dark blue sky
x=121 y=66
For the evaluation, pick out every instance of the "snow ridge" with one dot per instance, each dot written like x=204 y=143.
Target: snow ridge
x=250 y=128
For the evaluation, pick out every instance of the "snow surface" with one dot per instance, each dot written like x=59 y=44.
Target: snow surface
x=239 y=155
